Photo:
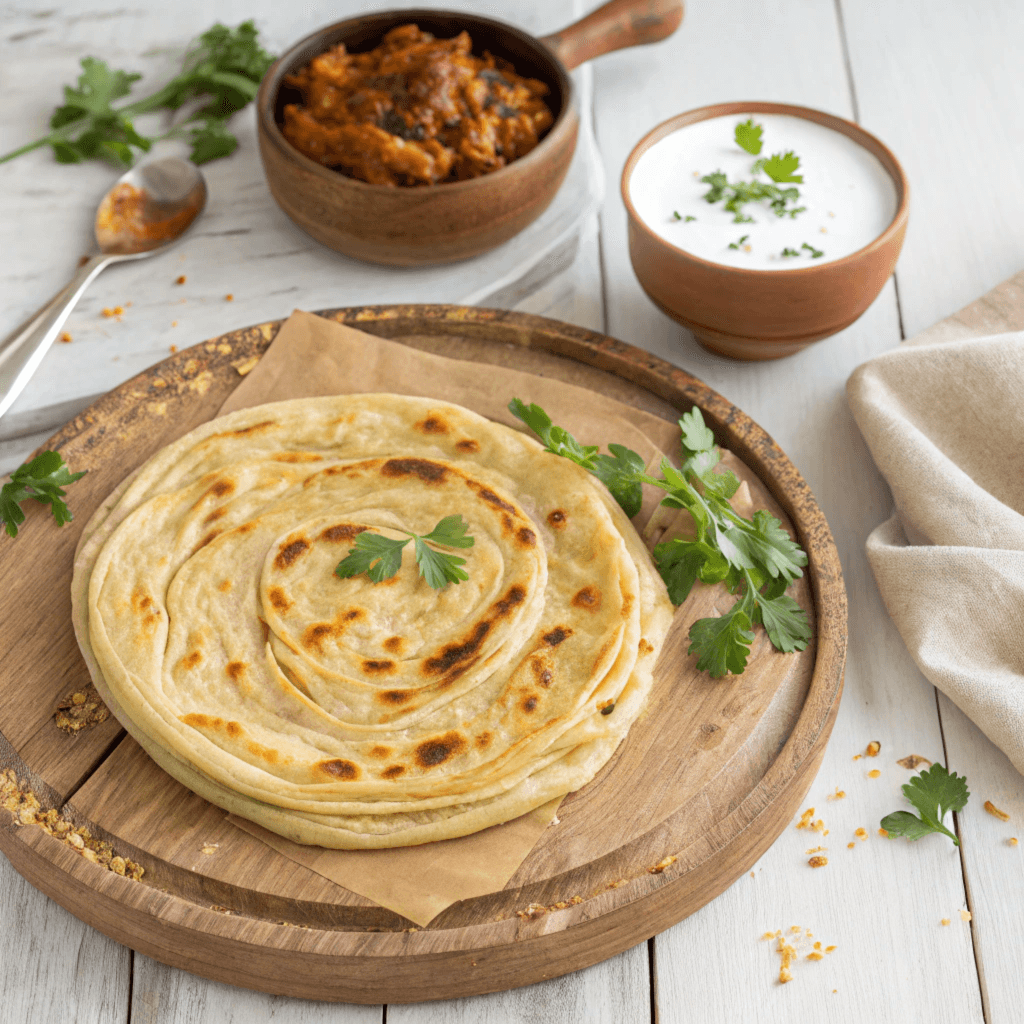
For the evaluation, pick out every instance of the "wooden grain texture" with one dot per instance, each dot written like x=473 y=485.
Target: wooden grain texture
x=878 y=902
x=728 y=759
x=55 y=967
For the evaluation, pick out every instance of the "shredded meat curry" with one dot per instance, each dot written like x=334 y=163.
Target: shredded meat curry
x=415 y=110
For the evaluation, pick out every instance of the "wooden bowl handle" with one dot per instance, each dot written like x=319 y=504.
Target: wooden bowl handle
x=614 y=26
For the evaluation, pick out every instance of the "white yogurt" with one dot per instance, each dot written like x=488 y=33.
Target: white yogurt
x=850 y=197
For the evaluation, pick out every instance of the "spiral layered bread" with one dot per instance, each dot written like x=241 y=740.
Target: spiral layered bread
x=352 y=714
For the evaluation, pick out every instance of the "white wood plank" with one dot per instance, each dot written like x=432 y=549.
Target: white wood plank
x=881 y=902
x=162 y=995
x=953 y=89
x=53 y=967
x=614 y=992
x=994 y=867
x=941 y=84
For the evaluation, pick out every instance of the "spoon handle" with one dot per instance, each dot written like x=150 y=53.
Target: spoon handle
x=22 y=351
x=614 y=26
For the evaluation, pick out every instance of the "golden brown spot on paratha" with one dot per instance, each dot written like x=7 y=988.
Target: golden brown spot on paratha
x=588 y=598
x=515 y=596
x=557 y=635
x=557 y=519
x=346 y=771
x=432 y=425
x=216 y=514
x=256 y=428
x=268 y=754
x=506 y=523
x=645 y=647
x=627 y=605
x=451 y=655
x=224 y=586
x=235 y=669
x=430 y=753
x=483 y=740
x=354 y=613
x=266 y=632
x=288 y=553
x=342 y=532
x=245 y=527
x=394 y=644
x=393 y=771
x=201 y=721
x=191 y=659
x=542 y=672
x=380 y=751
x=222 y=488
x=279 y=599
x=468 y=445
x=141 y=600
x=233 y=729
x=525 y=537
x=297 y=457
x=490 y=497
x=429 y=472
x=313 y=636
x=529 y=703
x=212 y=535
x=394 y=696
x=376 y=666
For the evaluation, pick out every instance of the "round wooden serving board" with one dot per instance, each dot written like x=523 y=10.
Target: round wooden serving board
x=705 y=781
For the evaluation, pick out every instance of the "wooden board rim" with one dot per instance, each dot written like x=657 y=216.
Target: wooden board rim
x=112 y=907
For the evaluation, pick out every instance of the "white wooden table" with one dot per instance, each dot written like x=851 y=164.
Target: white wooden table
x=941 y=84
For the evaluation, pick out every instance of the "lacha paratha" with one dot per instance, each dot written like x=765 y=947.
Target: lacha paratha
x=350 y=714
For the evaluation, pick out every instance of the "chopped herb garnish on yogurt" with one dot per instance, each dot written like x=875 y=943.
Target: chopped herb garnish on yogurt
x=738 y=244
x=790 y=252
x=781 y=166
x=748 y=136
x=676 y=215
x=815 y=253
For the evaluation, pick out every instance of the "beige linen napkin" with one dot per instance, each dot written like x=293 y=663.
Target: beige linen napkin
x=943 y=417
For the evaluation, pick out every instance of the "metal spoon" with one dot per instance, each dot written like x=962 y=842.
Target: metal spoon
x=146 y=212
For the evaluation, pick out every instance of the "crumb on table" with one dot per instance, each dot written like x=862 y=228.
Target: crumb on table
x=818 y=861
x=965 y=915
x=995 y=812
x=873 y=748
x=229 y=297
x=181 y=279
x=65 y=336
x=874 y=773
x=912 y=761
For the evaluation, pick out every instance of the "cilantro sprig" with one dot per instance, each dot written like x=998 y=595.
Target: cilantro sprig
x=755 y=558
x=748 y=136
x=380 y=557
x=934 y=793
x=222 y=69
x=44 y=479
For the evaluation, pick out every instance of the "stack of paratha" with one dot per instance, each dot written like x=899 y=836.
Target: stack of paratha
x=353 y=714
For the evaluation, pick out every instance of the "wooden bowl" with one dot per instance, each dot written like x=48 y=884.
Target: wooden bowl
x=454 y=221
x=763 y=314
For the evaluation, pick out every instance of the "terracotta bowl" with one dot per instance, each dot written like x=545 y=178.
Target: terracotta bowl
x=763 y=314
x=454 y=221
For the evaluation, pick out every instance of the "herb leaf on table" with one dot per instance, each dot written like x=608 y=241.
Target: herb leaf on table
x=755 y=558
x=44 y=479
x=222 y=69
x=934 y=793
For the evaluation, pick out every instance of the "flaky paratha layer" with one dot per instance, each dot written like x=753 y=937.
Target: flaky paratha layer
x=350 y=714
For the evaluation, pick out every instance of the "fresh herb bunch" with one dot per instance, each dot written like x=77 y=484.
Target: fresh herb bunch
x=934 y=793
x=44 y=479
x=381 y=557
x=223 y=68
x=754 y=558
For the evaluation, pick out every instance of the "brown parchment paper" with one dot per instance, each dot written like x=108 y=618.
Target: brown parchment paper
x=313 y=357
